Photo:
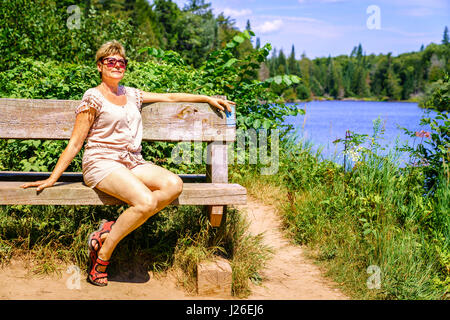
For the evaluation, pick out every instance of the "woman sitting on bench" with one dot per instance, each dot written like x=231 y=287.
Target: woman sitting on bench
x=109 y=119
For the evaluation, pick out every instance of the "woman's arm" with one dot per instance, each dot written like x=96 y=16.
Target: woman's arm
x=81 y=128
x=149 y=97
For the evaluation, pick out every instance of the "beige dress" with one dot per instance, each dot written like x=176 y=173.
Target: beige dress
x=114 y=139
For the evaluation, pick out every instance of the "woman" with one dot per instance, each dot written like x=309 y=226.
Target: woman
x=109 y=119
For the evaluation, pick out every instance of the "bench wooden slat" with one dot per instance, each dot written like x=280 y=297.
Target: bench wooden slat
x=74 y=176
x=76 y=193
x=54 y=120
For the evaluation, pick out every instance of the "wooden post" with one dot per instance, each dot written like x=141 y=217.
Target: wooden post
x=217 y=172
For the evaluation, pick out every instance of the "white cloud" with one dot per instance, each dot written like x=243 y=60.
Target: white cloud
x=302 y=26
x=269 y=26
x=236 y=13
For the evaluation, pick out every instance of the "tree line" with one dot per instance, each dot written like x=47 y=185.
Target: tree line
x=40 y=29
x=359 y=75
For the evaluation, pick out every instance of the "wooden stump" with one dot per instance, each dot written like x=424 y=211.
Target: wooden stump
x=214 y=277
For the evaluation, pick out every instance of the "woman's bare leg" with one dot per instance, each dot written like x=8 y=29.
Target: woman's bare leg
x=128 y=186
x=165 y=184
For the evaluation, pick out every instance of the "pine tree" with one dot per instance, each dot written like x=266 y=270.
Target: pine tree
x=391 y=85
x=445 y=39
x=247 y=26
x=359 y=52
x=332 y=85
x=392 y=88
x=292 y=63
x=196 y=32
x=281 y=63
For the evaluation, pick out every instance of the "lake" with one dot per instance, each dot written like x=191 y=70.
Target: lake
x=326 y=121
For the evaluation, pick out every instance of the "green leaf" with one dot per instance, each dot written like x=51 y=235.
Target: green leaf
x=238 y=39
x=295 y=79
x=257 y=124
x=278 y=79
x=248 y=121
x=247 y=35
x=230 y=63
x=154 y=52
x=267 y=124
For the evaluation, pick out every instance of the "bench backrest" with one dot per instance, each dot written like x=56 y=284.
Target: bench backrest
x=54 y=120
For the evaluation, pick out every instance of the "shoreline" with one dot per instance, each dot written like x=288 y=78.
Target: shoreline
x=350 y=99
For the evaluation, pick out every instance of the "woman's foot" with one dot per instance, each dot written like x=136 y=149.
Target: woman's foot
x=97 y=275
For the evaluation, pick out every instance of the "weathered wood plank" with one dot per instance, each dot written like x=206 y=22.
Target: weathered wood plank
x=76 y=193
x=217 y=172
x=186 y=122
x=54 y=120
x=74 y=176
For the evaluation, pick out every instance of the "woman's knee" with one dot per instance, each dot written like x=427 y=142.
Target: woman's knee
x=146 y=205
x=174 y=184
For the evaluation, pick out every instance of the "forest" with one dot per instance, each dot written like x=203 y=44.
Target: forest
x=194 y=32
x=360 y=75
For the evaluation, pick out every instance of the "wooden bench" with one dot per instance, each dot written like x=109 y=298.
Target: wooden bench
x=176 y=122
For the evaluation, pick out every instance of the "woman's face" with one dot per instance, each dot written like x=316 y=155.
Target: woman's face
x=112 y=67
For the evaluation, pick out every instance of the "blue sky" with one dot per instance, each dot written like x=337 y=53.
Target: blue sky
x=320 y=28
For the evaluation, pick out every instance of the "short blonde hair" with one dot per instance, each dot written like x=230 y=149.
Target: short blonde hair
x=110 y=48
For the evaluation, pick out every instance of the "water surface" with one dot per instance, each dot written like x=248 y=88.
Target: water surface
x=326 y=121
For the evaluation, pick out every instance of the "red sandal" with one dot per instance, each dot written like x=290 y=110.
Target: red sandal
x=105 y=227
x=95 y=274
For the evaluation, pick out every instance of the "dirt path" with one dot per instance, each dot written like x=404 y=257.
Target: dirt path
x=288 y=275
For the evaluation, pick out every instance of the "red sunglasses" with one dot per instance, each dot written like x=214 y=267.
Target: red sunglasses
x=111 y=62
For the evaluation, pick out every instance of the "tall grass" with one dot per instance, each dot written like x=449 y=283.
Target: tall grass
x=374 y=213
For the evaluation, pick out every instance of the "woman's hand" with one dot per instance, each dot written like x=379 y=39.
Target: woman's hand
x=40 y=184
x=221 y=103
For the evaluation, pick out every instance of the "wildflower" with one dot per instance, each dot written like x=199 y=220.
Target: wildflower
x=424 y=162
x=353 y=154
x=422 y=134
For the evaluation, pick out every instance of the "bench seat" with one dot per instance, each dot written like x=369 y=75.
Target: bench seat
x=70 y=190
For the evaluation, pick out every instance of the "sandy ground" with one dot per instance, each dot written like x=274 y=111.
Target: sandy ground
x=289 y=275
